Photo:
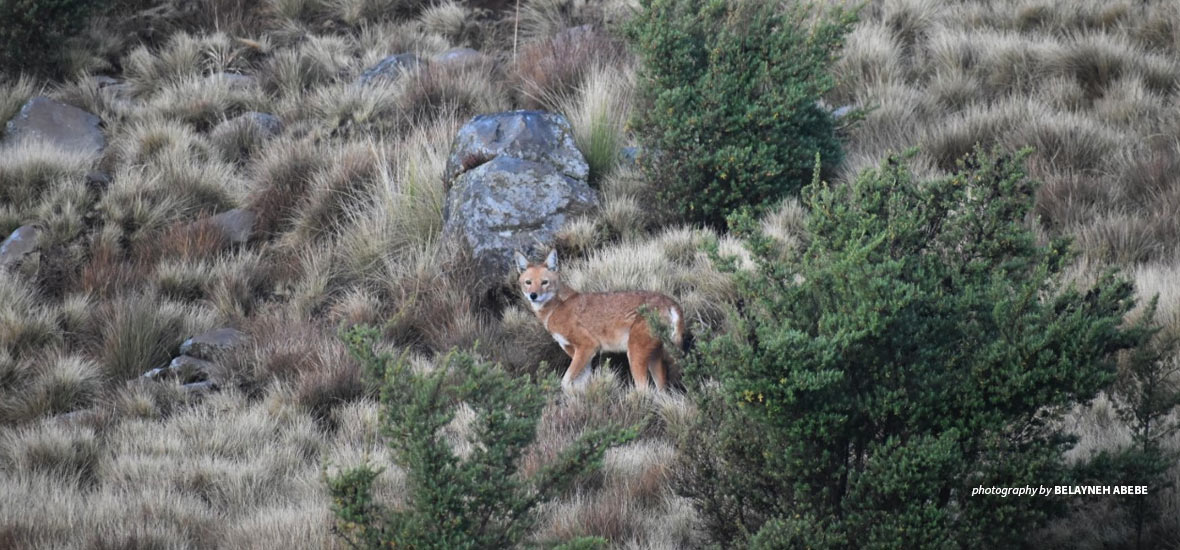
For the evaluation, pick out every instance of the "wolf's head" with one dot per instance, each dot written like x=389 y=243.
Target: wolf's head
x=538 y=282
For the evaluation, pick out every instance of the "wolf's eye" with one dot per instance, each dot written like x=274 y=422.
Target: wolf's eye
x=528 y=282
x=544 y=283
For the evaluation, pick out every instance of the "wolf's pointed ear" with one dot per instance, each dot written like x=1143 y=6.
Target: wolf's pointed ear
x=522 y=263
x=551 y=260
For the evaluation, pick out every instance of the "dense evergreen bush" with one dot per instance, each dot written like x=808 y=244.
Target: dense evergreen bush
x=923 y=344
x=728 y=95
x=472 y=502
x=32 y=33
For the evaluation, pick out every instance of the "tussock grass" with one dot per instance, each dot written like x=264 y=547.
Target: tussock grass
x=184 y=56
x=281 y=177
x=317 y=61
x=30 y=170
x=541 y=19
x=26 y=322
x=554 y=67
x=449 y=19
x=598 y=113
x=66 y=452
x=459 y=91
x=349 y=212
x=1087 y=87
x=13 y=95
x=138 y=332
x=203 y=101
x=61 y=384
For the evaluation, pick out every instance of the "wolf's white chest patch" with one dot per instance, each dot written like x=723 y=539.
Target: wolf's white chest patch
x=561 y=341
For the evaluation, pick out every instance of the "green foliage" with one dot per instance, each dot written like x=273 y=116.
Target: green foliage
x=33 y=31
x=476 y=501
x=922 y=345
x=1145 y=395
x=728 y=99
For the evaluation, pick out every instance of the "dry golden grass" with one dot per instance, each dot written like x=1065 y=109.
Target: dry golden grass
x=1092 y=88
x=349 y=213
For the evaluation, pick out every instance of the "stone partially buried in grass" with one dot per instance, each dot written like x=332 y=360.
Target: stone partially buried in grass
x=209 y=345
x=19 y=244
x=389 y=69
x=68 y=127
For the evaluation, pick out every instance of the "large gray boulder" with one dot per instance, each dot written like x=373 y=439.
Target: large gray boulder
x=529 y=135
x=509 y=204
x=66 y=126
x=389 y=69
x=19 y=244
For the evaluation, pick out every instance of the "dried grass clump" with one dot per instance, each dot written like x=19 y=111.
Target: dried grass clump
x=30 y=170
x=184 y=56
x=14 y=93
x=598 y=113
x=26 y=322
x=316 y=61
x=555 y=67
x=139 y=332
x=58 y=384
x=452 y=91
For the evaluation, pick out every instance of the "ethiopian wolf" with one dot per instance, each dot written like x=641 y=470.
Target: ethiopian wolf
x=585 y=324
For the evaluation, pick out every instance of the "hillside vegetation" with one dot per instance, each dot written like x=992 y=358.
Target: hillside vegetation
x=348 y=202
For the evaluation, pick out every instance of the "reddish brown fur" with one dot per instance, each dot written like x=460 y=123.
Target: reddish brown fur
x=585 y=324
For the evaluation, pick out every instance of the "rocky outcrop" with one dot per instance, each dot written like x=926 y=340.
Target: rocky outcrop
x=51 y=121
x=535 y=136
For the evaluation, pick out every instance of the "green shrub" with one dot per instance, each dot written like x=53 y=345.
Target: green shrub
x=473 y=502
x=33 y=31
x=728 y=97
x=1144 y=395
x=921 y=346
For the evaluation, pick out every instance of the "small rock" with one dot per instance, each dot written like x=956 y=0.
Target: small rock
x=209 y=344
x=68 y=127
x=237 y=224
x=190 y=369
x=389 y=68
x=529 y=135
x=270 y=125
x=266 y=124
x=102 y=81
x=158 y=373
x=235 y=80
x=200 y=387
x=19 y=244
x=458 y=56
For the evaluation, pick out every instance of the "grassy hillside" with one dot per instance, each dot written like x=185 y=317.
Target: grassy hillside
x=348 y=198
